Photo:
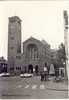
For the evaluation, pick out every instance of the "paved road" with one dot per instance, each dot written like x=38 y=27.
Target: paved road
x=31 y=88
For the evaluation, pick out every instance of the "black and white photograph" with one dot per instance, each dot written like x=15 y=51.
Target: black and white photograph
x=34 y=49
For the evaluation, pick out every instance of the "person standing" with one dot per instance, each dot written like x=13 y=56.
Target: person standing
x=45 y=72
x=42 y=75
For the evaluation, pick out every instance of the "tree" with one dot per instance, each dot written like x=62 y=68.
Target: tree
x=61 y=54
x=62 y=58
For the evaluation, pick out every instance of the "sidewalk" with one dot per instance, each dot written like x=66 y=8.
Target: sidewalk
x=58 y=86
x=51 y=84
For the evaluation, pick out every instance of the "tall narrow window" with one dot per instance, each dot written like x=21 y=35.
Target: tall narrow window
x=32 y=52
x=18 y=48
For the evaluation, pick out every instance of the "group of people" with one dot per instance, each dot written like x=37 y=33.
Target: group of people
x=49 y=70
x=53 y=70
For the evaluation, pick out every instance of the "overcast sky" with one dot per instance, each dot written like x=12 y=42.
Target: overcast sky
x=40 y=19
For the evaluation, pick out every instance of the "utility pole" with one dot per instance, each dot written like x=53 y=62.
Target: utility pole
x=66 y=42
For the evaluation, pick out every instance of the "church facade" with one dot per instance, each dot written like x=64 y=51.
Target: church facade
x=35 y=53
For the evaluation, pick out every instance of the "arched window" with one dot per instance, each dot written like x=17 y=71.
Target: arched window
x=32 y=52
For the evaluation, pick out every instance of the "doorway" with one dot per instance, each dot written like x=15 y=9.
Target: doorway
x=30 y=68
x=36 y=69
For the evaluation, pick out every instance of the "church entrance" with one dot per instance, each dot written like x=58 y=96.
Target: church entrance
x=30 y=68
x=36 y=69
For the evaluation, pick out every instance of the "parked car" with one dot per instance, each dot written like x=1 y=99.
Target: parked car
x=4 y=74
x=26 y=75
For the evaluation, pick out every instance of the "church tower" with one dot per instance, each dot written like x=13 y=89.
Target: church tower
x=14 y=41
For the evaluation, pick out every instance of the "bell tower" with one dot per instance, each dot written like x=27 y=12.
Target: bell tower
x=14 y=41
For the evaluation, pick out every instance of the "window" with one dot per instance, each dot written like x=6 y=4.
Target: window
x=18 y=68
x=32 y=52
x=12 y=48
x=12 y=38
x=18 y=48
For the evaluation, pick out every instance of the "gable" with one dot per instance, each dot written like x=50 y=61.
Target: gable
x=31 y=39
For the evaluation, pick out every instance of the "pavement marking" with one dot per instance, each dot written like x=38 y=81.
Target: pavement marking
x=26 y=86
x=34 y=86
x=42 y=86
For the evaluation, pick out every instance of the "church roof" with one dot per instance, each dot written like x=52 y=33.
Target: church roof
x=32 y=39
x=44 y=43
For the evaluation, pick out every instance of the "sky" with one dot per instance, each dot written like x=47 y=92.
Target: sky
x=42 y=20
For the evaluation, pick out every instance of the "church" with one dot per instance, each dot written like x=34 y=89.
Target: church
x=34 y=55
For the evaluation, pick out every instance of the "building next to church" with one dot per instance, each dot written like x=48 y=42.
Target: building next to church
x=35 y=53
x=3 y=65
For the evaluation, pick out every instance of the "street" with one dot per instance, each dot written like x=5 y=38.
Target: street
x=31 y=88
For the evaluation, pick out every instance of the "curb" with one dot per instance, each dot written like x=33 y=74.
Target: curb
x=57 y=89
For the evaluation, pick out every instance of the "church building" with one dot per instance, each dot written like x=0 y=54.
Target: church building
x=35 y=53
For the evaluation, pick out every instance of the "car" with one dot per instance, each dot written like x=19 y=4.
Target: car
x=26 y=75
x=4 y=74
